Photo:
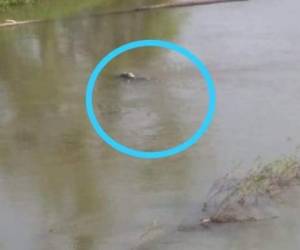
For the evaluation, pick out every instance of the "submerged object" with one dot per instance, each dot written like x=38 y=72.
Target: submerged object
x=127 y=75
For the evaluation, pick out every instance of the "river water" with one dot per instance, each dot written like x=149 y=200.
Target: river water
x=61 y=187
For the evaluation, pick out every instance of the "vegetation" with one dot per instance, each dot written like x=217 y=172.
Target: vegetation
x=6 y=3
x=52 y=9
x=248 y=198
x=43 y=9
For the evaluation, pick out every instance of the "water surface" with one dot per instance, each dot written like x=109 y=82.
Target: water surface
x=61 y=187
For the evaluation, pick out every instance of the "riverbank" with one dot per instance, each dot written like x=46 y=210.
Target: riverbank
x=144 y=7
x=37 y=9
x=4 y=4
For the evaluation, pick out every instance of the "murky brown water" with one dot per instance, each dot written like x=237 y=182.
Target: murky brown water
x=61 y=187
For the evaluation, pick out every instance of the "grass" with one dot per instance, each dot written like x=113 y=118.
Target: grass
x=52 y=9
x=45 y=9
x=245 y=198
x=271 y=178
x=7 y=3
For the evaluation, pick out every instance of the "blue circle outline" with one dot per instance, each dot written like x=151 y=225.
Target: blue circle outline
x=150 y=154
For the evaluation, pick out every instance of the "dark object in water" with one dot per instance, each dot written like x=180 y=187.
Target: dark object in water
x=129 y=76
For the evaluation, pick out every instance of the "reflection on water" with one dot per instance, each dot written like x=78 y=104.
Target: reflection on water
x=61 y=187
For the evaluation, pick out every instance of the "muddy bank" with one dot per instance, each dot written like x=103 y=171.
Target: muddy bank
x=174 y=4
